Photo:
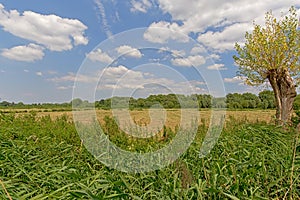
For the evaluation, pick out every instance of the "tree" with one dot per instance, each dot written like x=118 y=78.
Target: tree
x=267 y=99
x=272 y=54
x=297 y=103
x=76 y=102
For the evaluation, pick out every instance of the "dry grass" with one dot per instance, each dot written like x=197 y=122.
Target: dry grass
x=171 y=118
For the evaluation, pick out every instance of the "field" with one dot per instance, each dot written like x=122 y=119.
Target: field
x=42 y=157
x=172 y=119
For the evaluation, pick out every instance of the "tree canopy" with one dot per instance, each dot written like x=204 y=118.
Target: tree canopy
x=271 y=54
x=275 y=47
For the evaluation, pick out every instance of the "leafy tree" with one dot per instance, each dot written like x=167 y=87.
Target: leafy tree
x=234 y=100
x=5 y=104
x=272 y=53
x=297 y=103
x=267 y=99
x=219 y=102
x=76 y=102
x=252 y=100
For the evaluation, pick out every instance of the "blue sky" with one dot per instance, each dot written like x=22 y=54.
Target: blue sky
x=53 y=50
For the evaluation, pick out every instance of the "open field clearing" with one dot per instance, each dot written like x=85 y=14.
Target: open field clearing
x=42 y=157
x=172 y=116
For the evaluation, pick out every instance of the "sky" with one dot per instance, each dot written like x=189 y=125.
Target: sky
x=53 y=51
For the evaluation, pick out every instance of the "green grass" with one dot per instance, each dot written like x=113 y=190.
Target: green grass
x=42 y=158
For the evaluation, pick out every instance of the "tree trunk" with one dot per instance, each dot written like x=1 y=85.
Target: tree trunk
x=285 y=93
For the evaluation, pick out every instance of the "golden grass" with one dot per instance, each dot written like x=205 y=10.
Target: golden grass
x=171 y=117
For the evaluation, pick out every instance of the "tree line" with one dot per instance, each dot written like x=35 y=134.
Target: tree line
x=264 y=100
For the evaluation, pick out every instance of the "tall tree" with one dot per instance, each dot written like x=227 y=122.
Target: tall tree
x=272 y=54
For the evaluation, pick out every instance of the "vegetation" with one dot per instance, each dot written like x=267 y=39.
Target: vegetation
x=271 y=53
x=41 y=158
x=264 y=100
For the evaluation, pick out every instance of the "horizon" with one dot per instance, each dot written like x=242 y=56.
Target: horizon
x=136 y=98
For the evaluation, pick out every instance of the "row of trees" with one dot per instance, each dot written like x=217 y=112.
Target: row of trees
x=21 y=105
x=160 y=100
x=264 y=100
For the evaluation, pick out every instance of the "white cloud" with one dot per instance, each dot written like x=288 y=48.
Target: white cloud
x=140 y=5
x=215 y=56
x=225 y=40
x=236 y=79
x=39 y=73
x=121 y=80
x=2 y=71
x=232 y=18
x=161 y=32
x=174 y=52
x=217 y=67
x=189 y=61
x=64 y=87
x=198 y=50
x=54 y=32
x=129 y=51
x=29 y=53
x=102 y=17
x=71 y=77
x=99 y=55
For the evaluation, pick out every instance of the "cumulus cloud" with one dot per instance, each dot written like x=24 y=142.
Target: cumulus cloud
x=39 y=73
x=225 y=40
x=54 y=32
x=161 y=32
x=140 y=5
x=189 y=61
x=198 y=50
x=226 y=20
x=120 y=79
x=174 y=52
x=99 y=55
x=29 y=53
x=237 y=79
x=129 y=51
x=217 y=67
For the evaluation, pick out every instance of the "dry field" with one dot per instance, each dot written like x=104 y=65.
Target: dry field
x=169 y=118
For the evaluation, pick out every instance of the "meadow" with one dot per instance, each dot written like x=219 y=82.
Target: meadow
x=42 y=157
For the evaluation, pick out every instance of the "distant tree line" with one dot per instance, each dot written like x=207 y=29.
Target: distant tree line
x=264 y=100
x=50 y=106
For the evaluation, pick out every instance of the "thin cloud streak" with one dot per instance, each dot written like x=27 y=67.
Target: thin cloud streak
x=103 y=18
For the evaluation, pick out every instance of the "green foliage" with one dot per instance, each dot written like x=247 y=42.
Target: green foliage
x=297 y=103
x=264 y=100
x=169 y=101
x=267 y=99
x=270 y=49
x=42 y=158
x=296 y=118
